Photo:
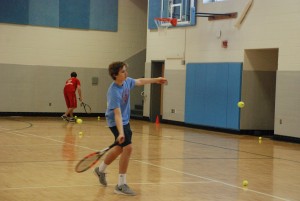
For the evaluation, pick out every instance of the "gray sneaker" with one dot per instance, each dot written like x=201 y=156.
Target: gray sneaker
x=101 y=176
x=124 y=190
x=64 y=117
x=71 y=119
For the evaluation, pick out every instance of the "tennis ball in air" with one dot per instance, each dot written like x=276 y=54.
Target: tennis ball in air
x=80 y=133
x=260 y=138
x=245 y=183
x=75 y=117
x=241 y=104
x=98 y=117
x=79 y=121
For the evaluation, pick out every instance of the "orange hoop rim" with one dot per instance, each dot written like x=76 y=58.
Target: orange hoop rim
x=173 y=21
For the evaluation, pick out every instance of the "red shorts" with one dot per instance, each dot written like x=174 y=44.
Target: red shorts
x=71 y=100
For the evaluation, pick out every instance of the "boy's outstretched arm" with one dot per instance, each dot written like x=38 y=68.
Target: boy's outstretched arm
x=143 y=81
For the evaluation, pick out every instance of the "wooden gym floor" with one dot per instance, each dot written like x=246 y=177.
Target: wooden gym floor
x=38 y=155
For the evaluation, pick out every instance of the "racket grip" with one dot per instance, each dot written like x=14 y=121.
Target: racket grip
x=114 y=144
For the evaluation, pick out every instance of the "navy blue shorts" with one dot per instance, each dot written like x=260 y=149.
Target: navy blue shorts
x=127 y=134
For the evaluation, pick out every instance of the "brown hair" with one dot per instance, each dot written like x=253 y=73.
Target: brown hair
x=114 y=68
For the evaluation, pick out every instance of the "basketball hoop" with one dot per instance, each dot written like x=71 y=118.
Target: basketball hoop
x=163 y=23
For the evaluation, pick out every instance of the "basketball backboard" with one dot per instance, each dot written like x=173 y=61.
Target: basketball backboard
x=182 y=10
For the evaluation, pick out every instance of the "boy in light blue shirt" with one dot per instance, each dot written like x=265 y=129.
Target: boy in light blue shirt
x=118 y=116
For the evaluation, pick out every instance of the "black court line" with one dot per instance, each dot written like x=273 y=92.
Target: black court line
x=192 y=142
x=17 y=129
x=220 y=147
x=134 y=159
x=210 y=145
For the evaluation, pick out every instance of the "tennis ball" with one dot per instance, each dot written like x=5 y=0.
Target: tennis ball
x=79 y=121
x=245 y=183
x=241 y=104
x=98 y=117
x=75 y=117
x=80 y=133
x=260 y=138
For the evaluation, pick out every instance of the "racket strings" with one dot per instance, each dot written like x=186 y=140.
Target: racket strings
x=91 y=159
x=86 y=107
x=87 y=162
x=89 y=110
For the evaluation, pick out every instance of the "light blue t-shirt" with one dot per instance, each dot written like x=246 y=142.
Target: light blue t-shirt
x=119 y=97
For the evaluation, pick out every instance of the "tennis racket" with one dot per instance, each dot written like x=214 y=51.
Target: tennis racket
x=86 y=108
x=90 y=160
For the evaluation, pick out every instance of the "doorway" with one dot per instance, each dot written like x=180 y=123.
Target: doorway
x=259 y=89
x=157 y=70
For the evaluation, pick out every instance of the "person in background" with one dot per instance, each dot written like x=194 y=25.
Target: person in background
x=72 y=85
x=117 y=116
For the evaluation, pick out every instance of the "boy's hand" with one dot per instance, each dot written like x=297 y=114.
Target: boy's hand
x=121 y=139
x=161 y=80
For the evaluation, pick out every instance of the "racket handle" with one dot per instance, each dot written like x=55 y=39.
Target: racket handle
x=114 y=144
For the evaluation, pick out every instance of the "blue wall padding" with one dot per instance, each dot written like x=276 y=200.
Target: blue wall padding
x=195 y=99
x=74 y=13
x=78 y=14
x=212 y=92
x=105 y=10
x=44 y=13
x=14 y=11
x=154 y=10
x=216 y=94
x=234 y=95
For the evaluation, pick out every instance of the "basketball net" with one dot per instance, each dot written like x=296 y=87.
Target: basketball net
x=163 y=24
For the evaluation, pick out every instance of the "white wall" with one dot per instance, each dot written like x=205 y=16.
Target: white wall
x=269 y=24
x=39 y=59
x=33 y=45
